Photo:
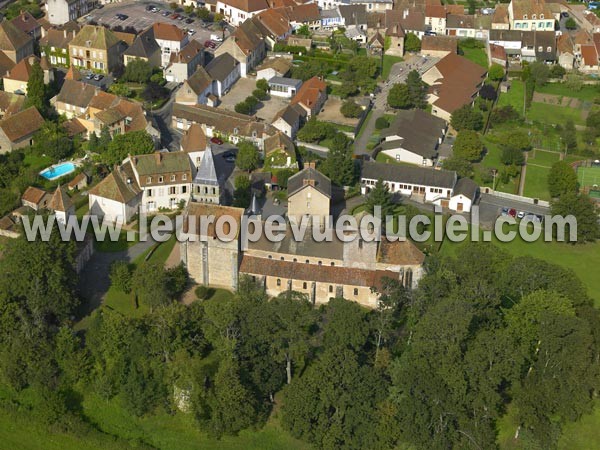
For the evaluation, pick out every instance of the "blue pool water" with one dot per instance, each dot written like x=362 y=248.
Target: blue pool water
x=52 y=173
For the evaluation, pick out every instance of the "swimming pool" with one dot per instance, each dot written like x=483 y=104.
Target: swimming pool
x=57 y=171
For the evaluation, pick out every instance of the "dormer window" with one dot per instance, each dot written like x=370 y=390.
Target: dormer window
x=541 y=16
x=524 y=16
x=149 y=180
x=533 y=16
x=173 y=177
x=160 y=179
x=254 y=134
x=235 y=131
x=540 y=49
x=184 y=177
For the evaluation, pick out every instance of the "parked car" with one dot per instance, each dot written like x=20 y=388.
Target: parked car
x=564 y=14
x=216 y=38
x=99 y=77
x=521 y=214
x=231 y=159
x=210 y=44
x=512 y=212
x=122 y=16
x=191 y=32
x=504 y=212
x=174 y=16
x=216 y=140
x=180 y=17
x=229 y=155
x=155 y=9
x=165 y=13
x=188 y=20
x=149 y=7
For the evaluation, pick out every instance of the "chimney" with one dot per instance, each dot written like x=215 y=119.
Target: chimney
x=310 y=165
x=158 y=157
x=65 y=33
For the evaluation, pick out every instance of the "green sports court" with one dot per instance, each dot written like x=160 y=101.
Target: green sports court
x=589 y=176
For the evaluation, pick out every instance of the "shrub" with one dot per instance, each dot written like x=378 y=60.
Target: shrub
x=259 y=94
x=201 y=292
x=381 y=123
x=351 y=109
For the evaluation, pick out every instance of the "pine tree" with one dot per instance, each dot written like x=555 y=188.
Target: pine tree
x=36 y=90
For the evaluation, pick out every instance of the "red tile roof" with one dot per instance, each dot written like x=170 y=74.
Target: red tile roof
x=22 y=124
x=167 y=32
x=589 y=55
x=309 y=92
x=33 y=195
x=437 y=11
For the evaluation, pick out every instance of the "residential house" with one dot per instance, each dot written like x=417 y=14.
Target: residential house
x=247 y=45
x=373 y=6
x=413 y=137
x=61 y=205
x=146 y=48
x=438 y=46
x=467 y=26
x=54 y=45
x=500 y=18
x=28 y=25
x=238 y=11
x=274 y=67
x=309 y=193
x=196 y=89
x=530 y=15
x=117 y=197
x=276 y=24
x=63 y=11
x=526 y=45
x=164 y=177
x=80 y=182
x=409 y=19
x=498 y=55
x=16 y=79
x=354 y=16
x=593 y=22
x=464 y=195
x=224 y=71
x=376 y=44
x=455 y=81
x=73 y=98
x=183 y=64
x=194 y=143
x=10 y=104
x=17 y=130
x=280 y=152
x=284 y=87
x=6 y=64
x=565 y=51
x=170 y=38
x=222 y=123
x=35 y=198
x=435 y=18
x=207 y=187
x=14 y=43
x=96 y=48
x=290 y=119
x=331 y=19
x=589 y=61
x=304 y=14
x=311 y=96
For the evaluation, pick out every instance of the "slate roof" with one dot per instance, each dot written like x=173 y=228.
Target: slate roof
x=22 y=124
x=11 y=38
x=158 y=163
x=439 y=43
x=57 y=38
x=353 y=14
x=26 y=22
x=97 y=36
x=419 y=132
x=199 y=81
x=116 y=186
x=466 y=187
x=397 y=173
x=10 y=103
x=221 y=66
x=319 y=181
x=144 y=45
x=283 y=81
x=291 y=114
x=207 y=172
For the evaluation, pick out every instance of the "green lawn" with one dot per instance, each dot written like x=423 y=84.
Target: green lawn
x=477 y=55
x=553 y=114
x=543 y=158
x=588 y=176
x=110 y=246
x=587 y=92
x=514 y=96
x=492 y=161
x=36 y=162
x=388 y=62
x=536 y=182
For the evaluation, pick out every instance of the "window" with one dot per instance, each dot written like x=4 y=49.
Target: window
x=173 y=177
x=320 y=263
x=541 y=16
x=282 y=258
x=549 y=49
x=149 y=192
x=184 y=189
x=355 y=291
x=149 y=180
x=540 y=49
x=295 y=260
x=307 y=261
x=304 y=285
x=533 y=16
x=332 y=263
x=270 y=257
x=278 y=282
x=524 y=16
x=160 y=179
x=173 y=190
x=184 y=177
x=330 y=288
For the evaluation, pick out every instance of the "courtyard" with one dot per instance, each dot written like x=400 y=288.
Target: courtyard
x=243 y=87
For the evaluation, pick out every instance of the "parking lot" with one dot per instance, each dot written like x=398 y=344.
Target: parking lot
x=139 y=18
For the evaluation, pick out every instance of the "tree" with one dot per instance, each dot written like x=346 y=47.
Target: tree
x=487 y=92
x=259 y=94
x=243 y=108
x=315 y=131
x=399 y=97
x=233 y=407
x=584 y=210
x=36 y=89
x=412 y=43
x=468 y=146
x=496 y=72
x=557 y=71
x=149 y=283
x=120 y=276
x=138 y=71
x=262 y=84
x=381 y=123
x=177 y=280
x=339 y=165
x=52 y=140
x=252 y=102
x=593 y=123
x=154 y=92
x=248 y=157
x=570 y=24
x=241 y=194
x=512 y=156
x=562 y=179
x=517 y=139
x=203 y=13
x=120 y=89
x=461 y=166
x=92 y=145
x=132 y=143
x=466 y=118
x=380 y=196
x=569 y=135
x=539 y=72
x=351 y=109
x=417 y=90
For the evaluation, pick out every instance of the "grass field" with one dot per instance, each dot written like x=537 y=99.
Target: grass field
x=514 y=96
x=536 y=182
x=587 y=92
x=477 y=55
x=543 y=158
x=588 y=176
x=492 y=161
x=553 y=114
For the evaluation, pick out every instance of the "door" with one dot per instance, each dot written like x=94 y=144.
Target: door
x=459 y=207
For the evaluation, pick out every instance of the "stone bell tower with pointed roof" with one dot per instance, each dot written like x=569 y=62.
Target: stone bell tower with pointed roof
x=206 y=187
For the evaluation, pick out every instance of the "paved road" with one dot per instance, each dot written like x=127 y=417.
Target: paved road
x=162 y=117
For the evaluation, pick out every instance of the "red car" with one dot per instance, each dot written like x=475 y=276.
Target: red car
x=512 y=212
x=174 y=16
x=216 y=140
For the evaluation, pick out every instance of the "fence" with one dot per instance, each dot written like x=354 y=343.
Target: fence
x=515 y=197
